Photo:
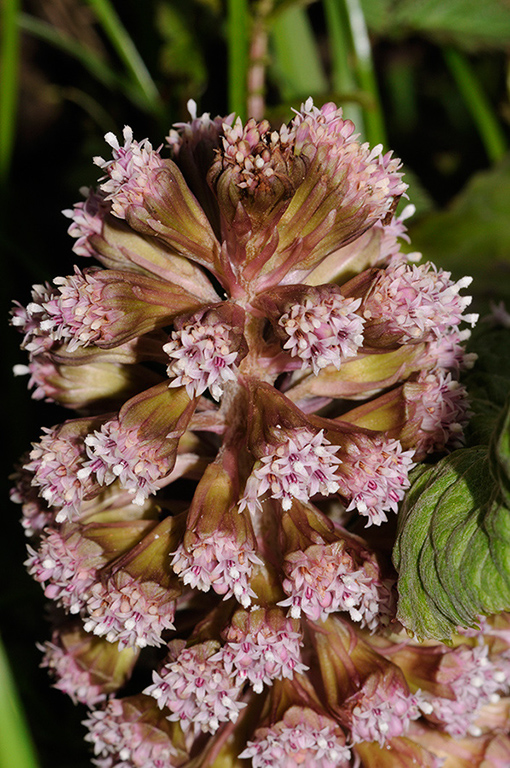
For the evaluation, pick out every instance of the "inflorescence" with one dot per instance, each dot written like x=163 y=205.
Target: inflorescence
x=255 y=366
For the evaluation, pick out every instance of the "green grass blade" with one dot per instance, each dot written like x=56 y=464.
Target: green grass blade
x=89 y=60
x=127 y=51
x=237 y=44
x=342 y=75
x=9 y=62
x=16 y=749
x=297 y=62
x=374 y=120
x=95 y=65
x=487 y=123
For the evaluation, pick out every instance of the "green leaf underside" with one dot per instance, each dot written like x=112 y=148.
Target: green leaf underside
x=453 y=545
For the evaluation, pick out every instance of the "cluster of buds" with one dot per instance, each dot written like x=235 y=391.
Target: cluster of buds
x=255 y=366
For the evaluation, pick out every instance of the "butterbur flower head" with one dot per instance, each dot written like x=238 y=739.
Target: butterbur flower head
x=76 y=312
x=66 y=564
x=132 y=732
x=298 y=464
x=86 y=220
x=196 y=688
x=262 y=646
x=337 y=574
x=414 y=302
x=129 y=171
x=218 y=563
x=69 y=557
x=30 y=320
x=255 y=367
x=302 y=738
x=375 y=476
x=205 y=351
x=128 y=611
x=317 y=325
x=138 y=448
x=116 y=454
x=322 y=135
x=438 y=411
x=324 y=334
x=473 y=679
x=133 y=603
x=218 y=550
x=55 y=463
x=85 y=667
x=255 y=174
x=382 y=709
x=95 y=386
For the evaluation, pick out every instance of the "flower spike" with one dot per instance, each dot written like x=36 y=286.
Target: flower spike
x=212 y=516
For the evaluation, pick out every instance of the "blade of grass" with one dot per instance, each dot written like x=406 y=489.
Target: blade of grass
x=127 y=51
x=44 y=31
x=9 y=63
x=296 y=59
x=487 y=123
x=237 y=44
x=16 y=749
x=364 y=67
x=340 y=45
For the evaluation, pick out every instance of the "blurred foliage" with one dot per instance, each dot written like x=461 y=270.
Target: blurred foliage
x=429 y=78
x=469 y=24
x=472 y=235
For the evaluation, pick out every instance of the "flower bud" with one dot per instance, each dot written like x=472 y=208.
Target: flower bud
x=133 y=731
x=219 y=548
x=152 y=195
x=139 y=447
x=85 y=667
x=112 y=242
x=134 y=601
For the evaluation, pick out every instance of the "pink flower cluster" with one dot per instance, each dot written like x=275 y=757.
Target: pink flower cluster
x=255 y=367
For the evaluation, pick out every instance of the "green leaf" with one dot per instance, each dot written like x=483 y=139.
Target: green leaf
x=82 y=53
x=296 y=61
x=16 y=748
x=127 y=51
x=9 y=65
x=488 y=383
x=472 y=236
x=501 y=454
x=181 y=59
x=469 y=24
x=478 y=104
x=238 y=20
x=453 y=544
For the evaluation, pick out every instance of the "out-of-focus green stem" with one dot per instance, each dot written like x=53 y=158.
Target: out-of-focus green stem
x=126 y=50
x=340 y=43
x=237 y=42
x=374 y=121
x=477 y=103
x=16 y=750
x=9 y=59
x=257 y=60
x=296 y=58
